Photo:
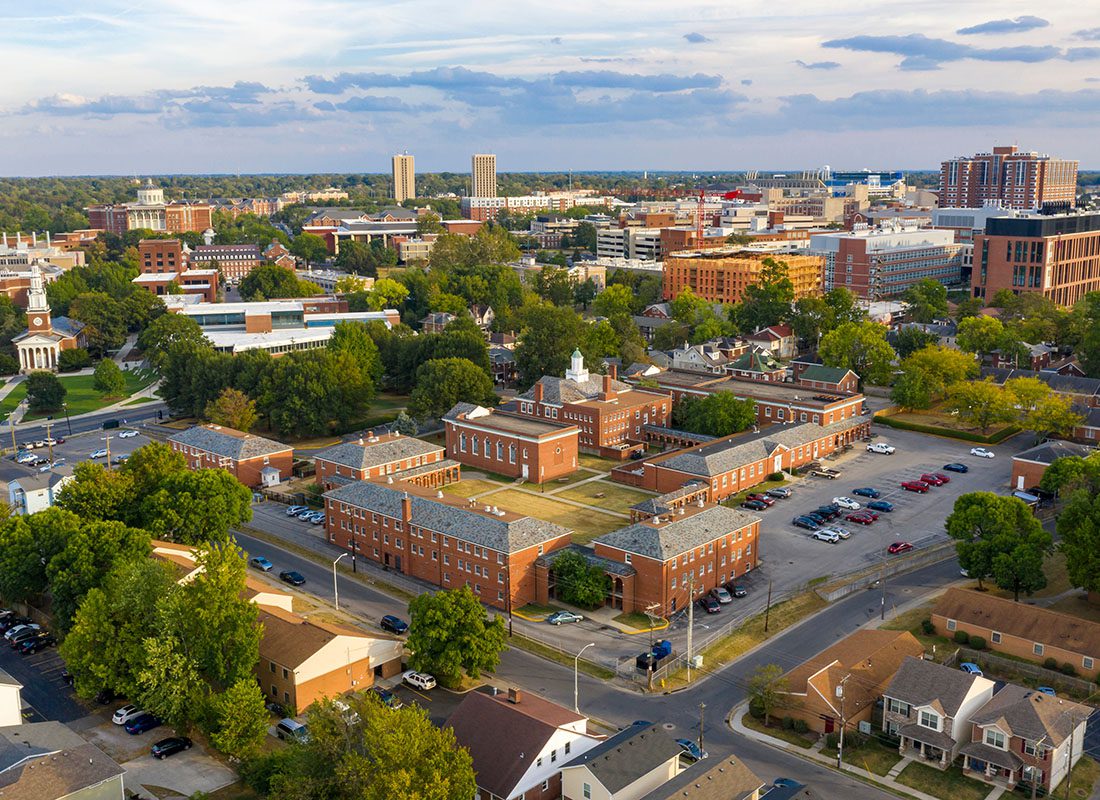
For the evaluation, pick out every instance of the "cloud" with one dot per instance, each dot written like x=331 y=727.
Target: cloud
x=921 y=52
x=746 y=81
x=818 y=64
x=696 y=38
x=1018 y=25
x=1091 y=34
x=608 y=79
x=372 y=103
x=556 y=40
x=1082 y=53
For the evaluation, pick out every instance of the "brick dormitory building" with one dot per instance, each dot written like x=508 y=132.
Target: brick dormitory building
x=253 y=460
x=388 y=455
x=519 y=447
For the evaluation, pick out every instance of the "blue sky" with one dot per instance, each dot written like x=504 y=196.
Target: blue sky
x=145 y=86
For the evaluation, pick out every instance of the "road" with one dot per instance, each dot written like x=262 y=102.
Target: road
x=145 y=412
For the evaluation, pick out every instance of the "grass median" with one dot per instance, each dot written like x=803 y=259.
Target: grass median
x=553 y=654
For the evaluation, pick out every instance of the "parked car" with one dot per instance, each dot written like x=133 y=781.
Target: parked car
x=293 y=577
x=563 y=617
x=817 y=517
x=825 y=535
x=971 y=668
x=275 y=708
x=294 y=511
x=127 y=434
x=763 y=498
x=40 y=443
x=1046 y=690
x=981 y=452
x=899 y=547
x=57 y=462
x=393 y=624
x=32 y=644
x=386 y=697
x=710 y=605
x=831 y=511
x=847 y=503
x=956 y=467
x=122 y=459
x=862 y=517
x=291 y=730
x=101 y=453
x=805 y=522
x=170 y=746
x=721 y=595
x=260 y=563
x=755 y=505
x=140 y=724
x=843 y=533
x=866 y=491
x=881 y=447
x=932 y=479
x=125 y=714
x=880 y=505
x=868 y=513
x=825 y=472
x=780 y=493
x=318 y=518
x=736 y=589
x=20 y=632
x=8 y=623
x=305 y=515
x=915 y=486
x=691 y=749
x=418 y=680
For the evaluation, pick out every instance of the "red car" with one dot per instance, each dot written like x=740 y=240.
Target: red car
x=943 y=478
x=915 y=486
x=899 y=547
x=763 y=498
x=861 y=518
x=932 y=480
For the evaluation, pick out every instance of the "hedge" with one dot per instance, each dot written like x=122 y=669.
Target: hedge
x=967 y=436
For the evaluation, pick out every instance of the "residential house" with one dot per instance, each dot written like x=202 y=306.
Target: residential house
x=436 y=322
x=518 y=742
x=844 y=681
x=1022 y=735
x=382 y=456
x=648 y=325
x=1037 y=357
x=502 y=364
x=779 y=340
x=657 y=311
x=1029 y=466
x=520 y=447
x=29 y=494
x=304 y=660
x=48 y=761
x=483 y=315
x=1021 y=630
x=704 y=357
x=1068 y=366
x=11 y=700
x=1083 y=392
x=275 y=253
x=628 y=766
x=757 y=365
x=505 y=339
x=253 y=460
x=712 y=779
x=929 y=706
x=828 y=379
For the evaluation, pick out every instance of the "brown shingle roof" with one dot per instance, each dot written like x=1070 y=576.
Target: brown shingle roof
x=729 y=779
x=1027 y=622
x=291 y=640
x=1032 y=715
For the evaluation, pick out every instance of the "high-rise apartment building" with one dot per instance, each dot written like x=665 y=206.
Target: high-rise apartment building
x=483 y=174
x=1019 y=180
x=404 y=178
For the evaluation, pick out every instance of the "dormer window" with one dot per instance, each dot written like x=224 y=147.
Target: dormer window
x=930 y=720
x=994 y=738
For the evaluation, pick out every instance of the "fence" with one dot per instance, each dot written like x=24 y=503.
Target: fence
x=870 y=576
x=1009 y=667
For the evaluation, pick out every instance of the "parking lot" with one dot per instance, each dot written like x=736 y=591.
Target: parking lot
x=73 y=450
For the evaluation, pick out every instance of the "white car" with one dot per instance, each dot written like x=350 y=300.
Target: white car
x=418 y=680
x=843 y=533
x=126 y=713
x=102 y=453
x=981 y=452
x=826 y=535
x=127 y=434
x=847 y=503
x=881 y=447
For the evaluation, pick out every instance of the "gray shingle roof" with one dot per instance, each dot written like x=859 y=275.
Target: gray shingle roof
x=669 y=539
x=358 y=455
x=461 y=523
x=627 y=756
x=1066 y=384
x=660 y=504
x=228 y=443
x=919 y=683
x=1049 y=452
x=1032 y=715
x=562 y=390
x=589 y=555
x=728 y=779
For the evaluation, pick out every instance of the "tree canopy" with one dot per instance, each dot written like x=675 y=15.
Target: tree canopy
x=860 y=347
x=442 y=382
x=716 y=414
x=449 y=635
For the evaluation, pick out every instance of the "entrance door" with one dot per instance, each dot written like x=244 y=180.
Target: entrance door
x=523 y=471
x=777 y=465
x=397 y=563
x=829 y=724
x=1020 y=482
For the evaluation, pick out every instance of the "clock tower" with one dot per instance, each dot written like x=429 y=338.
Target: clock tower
x=38 y=306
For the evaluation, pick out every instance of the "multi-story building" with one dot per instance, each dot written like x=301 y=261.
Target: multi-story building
x=483 y=175
x=519 y=447
x=18 y=252
x=234 y=261
x=722 y=274
x=253 y=460
x=480 y=209
x=1017 y=179
x=15 y=282
x=163 y=268
x=445 y=540
x=151 y=212
x=1056 y=255
x=39 y=347
x=161 y=255
x=390 y=454
x=884 y=262
x=404 y=177
x=610 y=414
x=640 y=243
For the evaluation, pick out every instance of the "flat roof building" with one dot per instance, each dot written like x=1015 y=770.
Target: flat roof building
x=1017 y=179
x=722 y=274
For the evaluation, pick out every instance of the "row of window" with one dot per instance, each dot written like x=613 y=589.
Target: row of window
x=1037 y=648
x=474 y=445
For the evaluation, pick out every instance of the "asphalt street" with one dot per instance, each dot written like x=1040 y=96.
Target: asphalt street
x=145 y=412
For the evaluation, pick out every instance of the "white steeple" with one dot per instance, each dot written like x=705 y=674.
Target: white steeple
x=576 y=371
x=36 y=293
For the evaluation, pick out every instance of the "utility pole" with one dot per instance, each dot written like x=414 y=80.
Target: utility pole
x=107 y=439
x=1034 y=770
x=843 y=721
x=691 y=617
x=702 y=708
x=768 y=608
x=1069 y=755
x=49 y=443
x=882 y=580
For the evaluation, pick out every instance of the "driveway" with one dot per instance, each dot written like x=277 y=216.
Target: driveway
x=184 y=773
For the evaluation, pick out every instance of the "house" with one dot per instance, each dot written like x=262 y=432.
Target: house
x=245 y=456
x=519 y=447
x=11 y=700
x=502 y=364
x=483 y=315
x=1021 y=630
x=699 y=358
x=436 y=322
x=518 y=742
x=828 y=379
x=505 y=339
x=381 y=456
x=855 y=670
x=779 y=340
x=1037 y=357
x=757 y=365
x=32 y=493
x=712 y=779
x=1029 y=466
x=945 y=331
x=303 y=660
x=648 y=325
x=48 y=761
x=185 y=559
x=657 y=311
x=929 y=706
x=628 y=766
x=1081 y=391
x=1068 y=366
x=275 y=253
x=1025 y=735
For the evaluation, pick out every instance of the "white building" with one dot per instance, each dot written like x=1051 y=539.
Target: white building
x=629 y=243
x=33 y=493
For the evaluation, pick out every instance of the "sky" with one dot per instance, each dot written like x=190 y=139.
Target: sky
x=222 y=86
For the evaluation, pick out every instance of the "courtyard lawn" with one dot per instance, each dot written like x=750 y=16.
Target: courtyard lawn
x=935 y=418
x=642 y=622
x=81 y=395
x=468 y=487
x=950 y=784
x=597 y=463
x=585 y=523
x=614 y=497
x=872 y=755
x=581 y=474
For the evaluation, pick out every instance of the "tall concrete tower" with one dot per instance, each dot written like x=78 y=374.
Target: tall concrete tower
x=404 y=178
x=483 y=171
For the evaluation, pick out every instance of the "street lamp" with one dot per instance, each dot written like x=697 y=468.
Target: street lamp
x=576 y=668
x=335 y=588
x=67 y=420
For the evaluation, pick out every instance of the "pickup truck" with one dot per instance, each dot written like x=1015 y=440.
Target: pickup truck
x=825 y=472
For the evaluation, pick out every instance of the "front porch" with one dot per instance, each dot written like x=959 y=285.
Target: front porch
x=994 y=766
x=923 y=744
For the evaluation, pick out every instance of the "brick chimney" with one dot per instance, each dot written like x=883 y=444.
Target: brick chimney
x=514 y=696
x=613 y=371
x=608 y=393
x=406 y=509
x=538 y=392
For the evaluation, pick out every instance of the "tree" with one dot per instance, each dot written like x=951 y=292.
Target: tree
x=860 y=347
x=104 y=321
x=579 y=583
x=927 y=300
x=717 y=414
x=553 y=284
x=351 y=284
x=686 y=306
x=613 y=301
x=584 y=293
x=271 y=282
x=939 y=367
x=405 y=425
x=768 y=300
x=910 y=339
x=353 y=339
x=193 y=507
x=314 y=392
x=912 y=391
x=442 y=382
x=1052 y=416
x=238 y=719
x=73 y=359
x=429 y=222
x=546 y=341
x=449 y=634
x=1079 y=535
x=844 y=306
x=999 y=537
x=96 y=492
x=233 y=409
x=140 y=309
x=309 y=247
x=45 y=392
x=585 y=236
x=387 y=293
x=1088 y=350
x=969 y=307
x=982 y=403
x=810 y=318
x=148 y=469
x=1027 y=393
x=767 y=689
x=108 y=379
x=981 y=335
x=165 y=331
x=27 y=544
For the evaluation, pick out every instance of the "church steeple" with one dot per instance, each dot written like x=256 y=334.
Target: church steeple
x=38 y=306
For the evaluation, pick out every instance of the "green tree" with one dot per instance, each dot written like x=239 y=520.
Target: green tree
x=981 y=335
x=169 y=683
x=96 y=492
x=927 y=300
x=860 y=347
x=579 y=583
x=271 y=282
x=843 y=306
x=992 y=532
x=912 y=391
x=429 y=222
x=768 y=300
x=237 y=719
x=108 y=379
x=73 y=359
x=27 y=544
x=104 y=321
x=1027 y=393
x=387 y=293
x=982 y=403
x=165 y=331
x=45 y=392
x=449 y=634
x=546 y=341
x=352 y=338
x=810 y=319
x=234 y=409
x=1053 y=416
x=197 y=506
x=315 y=392
x=309 y=247
x=553 y=284
x=686 y=306
x=585 y=236
x=1088 y=350
x=613 y=301
x=717 y=414
x=584 y=293
x=148 y=469
x=1079 y=532
x=405 y=425
x=442 y=382
x=767 y=689
x=940 y=367
x=140 y=309
x=970 y=307
x=911 y=339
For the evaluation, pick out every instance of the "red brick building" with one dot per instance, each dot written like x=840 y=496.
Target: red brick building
x=163 y=264
x=253 y=460
x=234 y=260
x=1019 y=180
x=1029 y=466
x=444 y=540
x=390 y=454
x=518 y=447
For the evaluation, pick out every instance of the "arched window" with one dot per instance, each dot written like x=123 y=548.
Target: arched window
x=500 y=450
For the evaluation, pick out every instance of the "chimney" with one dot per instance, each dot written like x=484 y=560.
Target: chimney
x=514 y=696
x=613 y=371
x=538 y=392
x=406 y=508
x=607 y=393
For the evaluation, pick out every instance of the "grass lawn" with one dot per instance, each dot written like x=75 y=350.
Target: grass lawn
x=468 y=487
x=536 y=610
x=1084 y=776
x=545 y=651
x=1078 y=606
x=234 y=791
x=776 y=731
x=872 y=755
x=597 y=463
x=585 y=523
x=639 y=621
x=615 y=497
x=140 y=400
x=911 y=621
x=1054 y=567
x=940 y=419
x=950 y=784
x=81 y=396
x=581 y=474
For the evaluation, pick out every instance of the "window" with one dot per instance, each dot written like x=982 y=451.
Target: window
x=1086 y=662
x=587 y=789
x=1037 y=649
x=626 y=557
x=546 y=785
x=538 y=761
x=994 y=738
x=950 y=624
x=996 y=637
x=1030 y=748
x=272 y=667
x=897 y=707
x=553 y=756
x=929 y=719
x=286 y=673
x=568 y=747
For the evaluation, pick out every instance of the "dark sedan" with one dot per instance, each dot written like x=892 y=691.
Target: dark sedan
x=141 y=724
x=880 y=505
x=292 y=577
x=736 y=589
x=866 y=491
x=394 y=624
x=805 y=522
x=37 y=642
x=754 y=505
x=831 y=511
x=710 y=604
x=170 y=746
x=954 y=467
x=22 y=636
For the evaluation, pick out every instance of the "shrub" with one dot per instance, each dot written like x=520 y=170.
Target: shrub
x=800 y=726
x=756 y=709
x=71 y=360
x=9 y=365
x=788 y=724
x=1050 y=663
x=927 y=627
x=977 y=642
x=1069 y=669
x=962 y=637
x=775 y=476
x=830 y=741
